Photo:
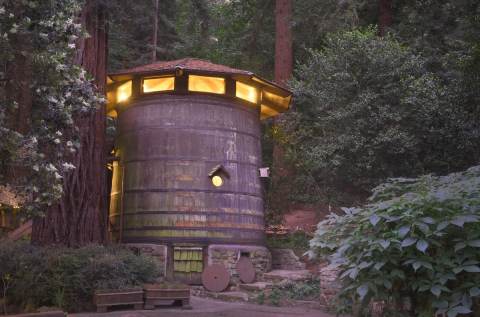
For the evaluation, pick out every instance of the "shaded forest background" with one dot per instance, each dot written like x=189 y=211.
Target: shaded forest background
x=405 y=55
x=381 y=88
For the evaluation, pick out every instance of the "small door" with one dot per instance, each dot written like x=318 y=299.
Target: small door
x=188 y=264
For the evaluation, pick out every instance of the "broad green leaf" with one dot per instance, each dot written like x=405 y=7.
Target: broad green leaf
x=458 y=310
x=474 y=243
x=422 y=245
x=408 y=242
x=416 y=265
x=384 y=243
x=472 y=268
x=402 y=232
x=436 y=290
x=458 y=222
x=362 y=291
x=374 y=219
x=475 y=291
x=459 y=246
x=442 y=225
x=428 y=220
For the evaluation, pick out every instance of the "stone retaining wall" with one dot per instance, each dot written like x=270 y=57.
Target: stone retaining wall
x=228 y=255
x=285 y=259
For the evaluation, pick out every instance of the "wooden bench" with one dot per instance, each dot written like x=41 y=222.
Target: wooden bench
x=160 y=294
x=108 y=298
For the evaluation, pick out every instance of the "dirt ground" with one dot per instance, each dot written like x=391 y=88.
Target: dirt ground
x=203 y=307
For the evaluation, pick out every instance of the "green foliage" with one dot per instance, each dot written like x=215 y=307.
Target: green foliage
x=418 y=238
x=297 y=241
x=67 y=278
x=43 y=33
x=283 y=293
x=367 y=109
x=308 y=290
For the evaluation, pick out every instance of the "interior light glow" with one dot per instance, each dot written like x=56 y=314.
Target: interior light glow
x=246 y=92
x=217 y=181
x=266 y=112
x=214 y=85
x=124 y=91
x=276 y=99
x=158 y=84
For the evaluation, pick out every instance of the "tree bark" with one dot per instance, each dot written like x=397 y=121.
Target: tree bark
x=385 y=18
x=283 y=73
x=80 y=217
x=155 y=33
x=283 y=41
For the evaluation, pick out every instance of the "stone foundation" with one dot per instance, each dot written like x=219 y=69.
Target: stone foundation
x=228 y=256
x=285 y=259
x=330 y=284
x=157 y=251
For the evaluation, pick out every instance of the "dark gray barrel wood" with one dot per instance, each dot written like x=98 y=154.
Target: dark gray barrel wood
x=167 y=146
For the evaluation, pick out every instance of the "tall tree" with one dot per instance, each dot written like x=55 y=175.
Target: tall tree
x=80 y=216
x=283 y=41
x=385 y=17
x=155 y=33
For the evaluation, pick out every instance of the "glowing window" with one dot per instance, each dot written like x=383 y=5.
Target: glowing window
x=217 y=181
x=266 y=112
x=276 y=99
x=158 y=84
x=246 y=92
x=124 y=91
x=215 y=85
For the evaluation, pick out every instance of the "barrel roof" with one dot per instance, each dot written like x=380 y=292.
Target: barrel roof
x=194 y=64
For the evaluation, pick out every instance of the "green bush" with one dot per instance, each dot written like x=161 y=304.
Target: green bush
x=418 y=240
x=297 y=241
x=67 y=278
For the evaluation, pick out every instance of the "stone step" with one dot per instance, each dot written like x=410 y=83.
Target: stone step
x=288 y=275
x=256 y=287
x=235 y=296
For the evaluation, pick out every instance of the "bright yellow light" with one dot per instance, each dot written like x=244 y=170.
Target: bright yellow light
x=215 y=85
x=158 y=84
x=217 y=181
x=267 y=112
x=124 y=91
x=246 y=92
x=276 y=99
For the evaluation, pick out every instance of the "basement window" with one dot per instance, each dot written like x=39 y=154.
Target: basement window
x=214 y=85
x=188 y=260
x=124 y=91
x=246 y=92
x=158 y=84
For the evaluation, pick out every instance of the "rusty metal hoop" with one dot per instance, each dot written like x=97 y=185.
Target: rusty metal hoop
x=215 y=278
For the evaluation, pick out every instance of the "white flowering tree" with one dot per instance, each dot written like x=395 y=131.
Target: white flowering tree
x=49 y=110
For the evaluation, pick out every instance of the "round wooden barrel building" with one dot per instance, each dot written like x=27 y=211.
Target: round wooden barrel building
x=187 y=156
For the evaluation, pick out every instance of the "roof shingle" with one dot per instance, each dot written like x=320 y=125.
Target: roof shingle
x=185 y=63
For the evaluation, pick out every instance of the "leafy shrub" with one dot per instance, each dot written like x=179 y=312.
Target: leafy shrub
x=297 y=241
x=67 y=278
x=417 y=239
x=307 y=290
x=367 y=109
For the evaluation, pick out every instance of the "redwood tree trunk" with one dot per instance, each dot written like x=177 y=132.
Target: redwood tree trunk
x=155 y=33
x=385 y=18
x=283 y=73
x=283 y=41
x=80 y=217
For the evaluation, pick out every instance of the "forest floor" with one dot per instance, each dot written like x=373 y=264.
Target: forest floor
x=204 y=307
